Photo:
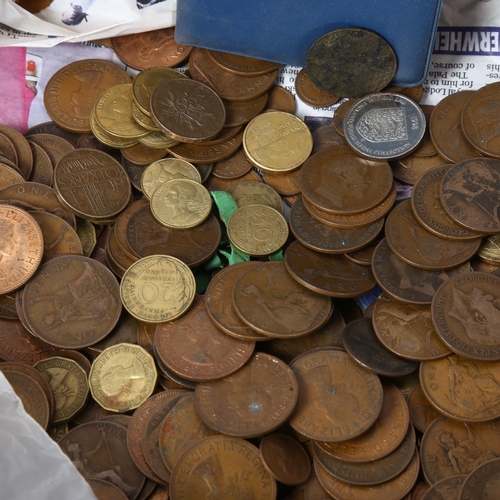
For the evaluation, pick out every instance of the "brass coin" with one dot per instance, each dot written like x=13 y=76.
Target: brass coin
x=143 y=119
x=411 y=242
x=351 y=62
x=270 y=301
x=469 y=193
x=23 y=151
x=277 y=141
x=69 y=384
x=205 y=354
x=158 y=140
x=181 y=204
x=241 y=65
x=21 y=249
x=211 y=466
x=142 y=155
x=157 y=288
x=466 y=316
x=76 y=356
x=422 y=413
x=43 y=171
x=106 y=138
x=239 y=113
x=309 y=93
x=150 y=49
x=98 y=191
x=340 y=182
x=407 y=330
x=341 y=398
x=255 y=193
x=187 y=110
x=482 y=481
x=73 y=91
x=467 y=390
x=490 y=249
x=233 y=167
x=257 y=230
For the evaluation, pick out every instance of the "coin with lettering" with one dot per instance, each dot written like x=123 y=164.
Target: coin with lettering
x=43 y=171
x=410 y=168
x=9 y=175
x=109 y=140
x=446 y=489
x=22 y=148
x=482 y=482
x=422 y=413
x=55 y=147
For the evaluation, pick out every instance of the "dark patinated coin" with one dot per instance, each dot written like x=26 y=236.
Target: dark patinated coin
x=351 y=62
x=483 y=482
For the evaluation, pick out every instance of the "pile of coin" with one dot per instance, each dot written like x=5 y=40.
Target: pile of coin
x=108 y=326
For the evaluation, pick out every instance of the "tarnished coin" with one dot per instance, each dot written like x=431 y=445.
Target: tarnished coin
x=483 y=482
x=255 y=193
x=466 y=315
x=239 y=113
x=157 y=288
x=56 y=147
x=181 y=204
x=384 y=126
x=489 y=250
x=450 y=447
x=284 y=183
x=422 y=413
x=341 y=398
x=43 y=171
x=72 y=302
x=9 y=175
x=257 y=230
x=411 y=242
x=351 y=62
x=270 y=301
x=99 y=450
x=226 y=467
x=362 y=344
x=285 y=459
x=187 y=110
x=339 y=116
x=233 y=167
x=72 y=92
x=277 y=141
x=69 y=384
x=194 y=348
x=122 y=377
x=142 y=155
x=327 y=274
x=338 y=181
x=105 y=490
x=462 y=389
x=469 y=193
x=53 y=129
x=23 y=150
x=241 y=65
x=279 y=99
x=325 y=137
x=21 y=248
x=446 y=489
x=309 y=93
x=8 y=307
x=410 y=168
x=151 y=48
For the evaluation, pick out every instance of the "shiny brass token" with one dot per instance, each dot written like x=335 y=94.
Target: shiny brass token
x=122 y=377
x=490 y=249
x=143 y=119
x=181 y=204
x=157 y=288
x=257 y=230
x=158 y=140
x=106 y=138
x=277 y=141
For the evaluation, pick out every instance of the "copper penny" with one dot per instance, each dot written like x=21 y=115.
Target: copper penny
x=325 y=137
x=124 y=331
x=77 y=356
x=233 y=167
x=426 y=147
x=241 y=65
x=99 y=450
x=43 y=171
x=466 y=315
x=340 y=114
x=254 y=401
x=217 y=184
x=72 y=302
x=239 y=113
x=285 y=459
x=105 y=490
x=422 y=413
x=338 y=399
x=72 y=92
x=8 y=307
x=134 y=173
x=428 y=209
x=408 y=283
x=284 y=183
x=151 y=48
x=53 y=129
x=181 y=429
x=446 y=489
x=309 y=490
x=469 y=193
x=9 y=175
x=7 y=149
x=362 y=344
x=482 y=482
x=228 y=85
x=121 y=224
x=194 y=348
x=338 y=181
x=223 y=466
x=327 y=274
x=118 y=261
x=364 y=255
x=142 y=155
x=280 y=100
x=219 y=303
x=56 y=147
x=446 y=130
x=411 y=242
x=411 y=168
x=309 y=93
x=450 y=447
x=22 y=148
x=270 y=301
x=462 y=389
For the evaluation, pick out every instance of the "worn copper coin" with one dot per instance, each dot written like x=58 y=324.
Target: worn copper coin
x=270 y=301
x=467 y=390
x=23 y=151
x=53 y=129
x=470 y=192
x=422 y=413
x=339 y=116
x=483 y=482
x=134 y=173
x=105 y=490
x=309 y=93
x=43 y=171
x=99 y=450
x=255 y=193
x=284 y=183
x=325 y=137
x=9 y=175
x=233 y=167
x=223 y=466
x=72 y=302
x=338 y=399
x=142 y=155
x=194 y=348
x=466 y=315
x=280 y=99
x=241 y=65
x=351 y=62
x=446 y=489
x=410 y=168
x=55 y=147
x=8 y=307
x=254 y=401
x=239 y=113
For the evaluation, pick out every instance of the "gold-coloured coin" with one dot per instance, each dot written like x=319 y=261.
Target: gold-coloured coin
x=257 y=230
x=256 y=193
x=157 y=288
x=277 y=141
x=107 y=139
x=113 y=111
x=165 y=170
x=143 y=119
x=181 y=204
x=158 y=140
x=489 y=250
x=122 y=377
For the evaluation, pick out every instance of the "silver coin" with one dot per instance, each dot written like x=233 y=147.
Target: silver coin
x=384 y=126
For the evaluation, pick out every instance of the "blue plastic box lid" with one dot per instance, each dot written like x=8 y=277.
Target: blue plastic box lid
x=283 y=30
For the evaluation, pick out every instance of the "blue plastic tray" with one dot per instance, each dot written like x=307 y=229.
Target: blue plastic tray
x=283 y=30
